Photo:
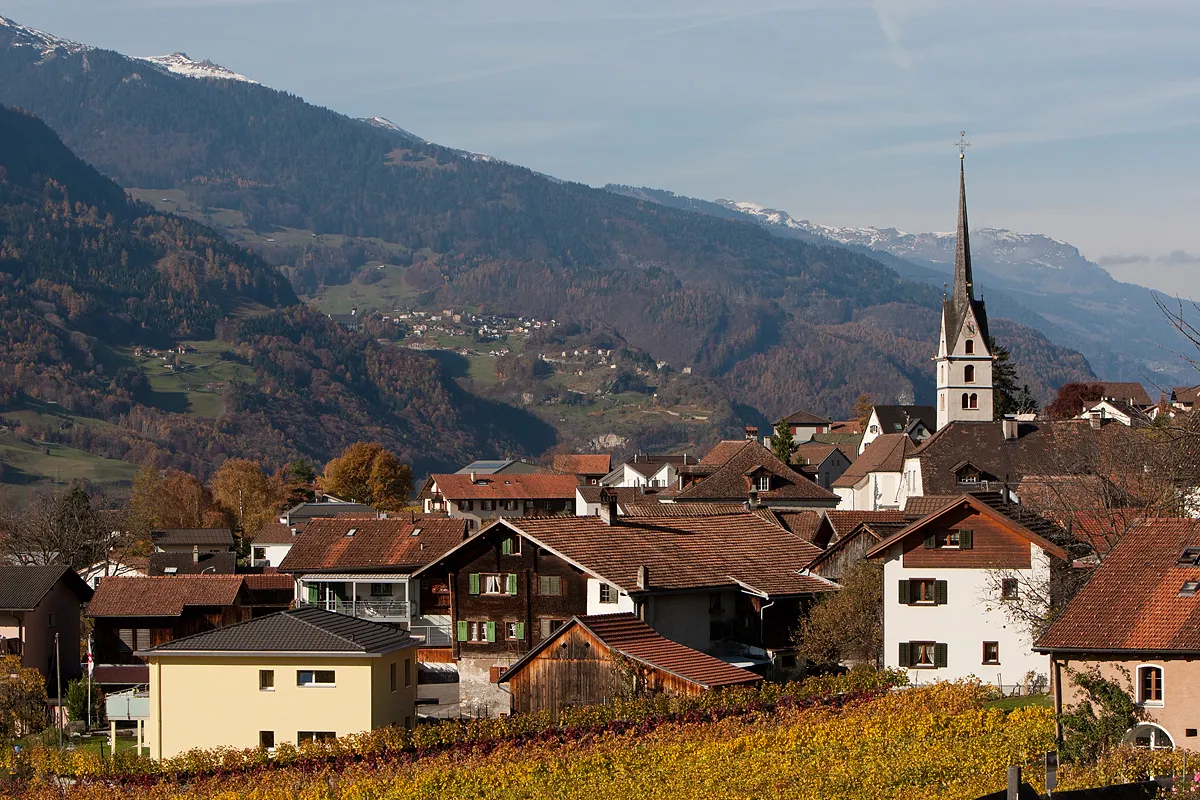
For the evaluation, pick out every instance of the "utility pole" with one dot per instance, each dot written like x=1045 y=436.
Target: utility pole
x=58 y=680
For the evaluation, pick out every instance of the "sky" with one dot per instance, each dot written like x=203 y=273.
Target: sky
x=1082 y=114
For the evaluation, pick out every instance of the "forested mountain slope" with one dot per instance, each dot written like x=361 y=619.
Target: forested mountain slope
x=778 y=323
x=88 y=276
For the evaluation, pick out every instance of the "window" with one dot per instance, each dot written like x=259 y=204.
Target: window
x=549 y=626
x=511 y=546
x=608 y=593
x=969 y=346
x=266 y=680
x=714 y=603
x=486 y=505
x=763 y=483
x=407 y=672
x=922 y=591
x=923 y=654
x=465 y=505
x=991 y=652
x=952 y=540
x=314 y=677
x=477 y=631
x=874 y=429
x=974 y=400
x=1150 y=736
x=491 y=584
x=966 y=400
x=514 y=631
x=381 y=590
x=1150 y=685
x=547 y=505
x=314 y=736
x=260 y=553
x=392 y=676
x=1009 y=589
x=550 y=586
x=266 y=740
x=969 y=373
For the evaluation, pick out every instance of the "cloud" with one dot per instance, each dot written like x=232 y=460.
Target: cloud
x=1179 y=258
x=1121 y=260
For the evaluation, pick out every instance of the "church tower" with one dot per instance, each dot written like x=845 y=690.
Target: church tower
x=964 y=359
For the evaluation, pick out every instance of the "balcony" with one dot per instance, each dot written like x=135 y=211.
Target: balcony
x=378 y=610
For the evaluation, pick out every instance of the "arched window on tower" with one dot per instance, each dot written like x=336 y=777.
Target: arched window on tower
x=969 y=345
x=969 y=373
x=974 y=400
x=966 y=400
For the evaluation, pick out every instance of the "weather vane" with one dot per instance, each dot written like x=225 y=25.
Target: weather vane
x=962 y=144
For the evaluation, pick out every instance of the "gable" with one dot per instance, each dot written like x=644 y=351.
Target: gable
x=993 y=545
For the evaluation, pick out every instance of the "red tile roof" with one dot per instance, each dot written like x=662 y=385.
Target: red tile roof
x=805 y=524
x=506 y=487
x=845 y=521
x=629 y=636
x=375 y=543
x=653 y=508
x=722 y=451
x=583 y=463
x=682 y=552
x=1127 y=392
x=733 y=480
x=923 y=505
x=1132 y=602
x=885 y=453
x=276 y=533
x=816 y=452
x=273 y=581
x=165 y=596
x=803 y=417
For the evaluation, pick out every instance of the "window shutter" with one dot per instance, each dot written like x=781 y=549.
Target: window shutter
x=491 y=631
x=521 y=630
x=512 y=584
x=506 y=547
x=940 y=655
x=966 y=540
x=473 y=583
x=930 y=542
x=939 y=593
x=905 y=594
x=462 y=630
x=904 y=662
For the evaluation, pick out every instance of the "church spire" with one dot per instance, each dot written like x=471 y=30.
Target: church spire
x=964 y=290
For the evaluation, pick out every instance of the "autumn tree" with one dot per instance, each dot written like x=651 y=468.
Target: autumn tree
x=367 y=473
x=22 y=699
x=250 y=497
x=172 y=499
x=1072 y=398
x=1009 y=398
x=54 y=527
x=782 y=443
x=863 y=407
x=847 y=626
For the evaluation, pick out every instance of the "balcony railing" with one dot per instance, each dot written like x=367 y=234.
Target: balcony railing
x=367 y=609
x=435 y=635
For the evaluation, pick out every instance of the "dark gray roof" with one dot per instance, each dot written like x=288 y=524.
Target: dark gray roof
x=303 y=630
x=803 y=417
x=206 y=537
x=896 y=419
x=305 y=511
x=206 y=564
x=22 y=588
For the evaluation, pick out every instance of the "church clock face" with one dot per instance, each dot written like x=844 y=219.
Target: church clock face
x=971 y=328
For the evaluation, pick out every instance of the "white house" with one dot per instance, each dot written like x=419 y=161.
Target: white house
x=919 y=422
x=651 y=472
x=272 y=544
x=876 y=480
x=953 y=581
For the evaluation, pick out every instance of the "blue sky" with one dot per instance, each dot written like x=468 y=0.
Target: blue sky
x=1083 y=115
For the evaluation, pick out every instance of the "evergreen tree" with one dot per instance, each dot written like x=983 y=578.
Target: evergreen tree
x=781 y=442
x=1009 y=399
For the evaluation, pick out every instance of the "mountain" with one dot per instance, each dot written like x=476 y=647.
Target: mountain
x=180 y=64
x=1039 y=281
x=776 y=323
x=90 y=281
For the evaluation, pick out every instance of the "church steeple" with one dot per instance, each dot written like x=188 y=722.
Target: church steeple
x=964 y=359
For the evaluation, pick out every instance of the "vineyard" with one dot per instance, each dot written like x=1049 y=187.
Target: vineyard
x=834 y=737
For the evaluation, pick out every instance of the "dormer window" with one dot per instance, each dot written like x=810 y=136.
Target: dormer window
x=969 y=346
x=763 y=483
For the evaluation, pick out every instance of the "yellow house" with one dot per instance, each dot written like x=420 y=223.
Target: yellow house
x=292 y=676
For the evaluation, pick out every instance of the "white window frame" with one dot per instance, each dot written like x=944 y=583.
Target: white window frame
x=613 y=595
x=314 y=683
x=762 y=483
x=1162 y=686
x=487 y=586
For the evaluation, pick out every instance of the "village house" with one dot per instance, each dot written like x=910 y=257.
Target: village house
x=919 y=422
x=597 y=659
x=1129 y=393
x=875 y=481
x=192 y=540
x=481 y=498
x=301 y=514
x=835 y=560
x=588 y=468
x=37 y=603
x=193 y=563
x=1137 y=622
x=504 y=466
x=804 y=425
x=587 y=498
x=1118 y=410
x=947 y=579
x=747 y=472
x=294 y=676
x=1184 y=397
x=364 y=568
x=729 y=585
x=272 y=543
x=821 y=463
x=116 y=564
x=132 y=614
x=651 y=472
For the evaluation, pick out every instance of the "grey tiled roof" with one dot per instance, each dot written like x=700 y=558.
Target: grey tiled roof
x=302 y=630
x=182 y=564
x=175 y=537
x=22 y=588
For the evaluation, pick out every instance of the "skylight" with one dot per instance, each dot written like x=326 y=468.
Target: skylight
x=352 y=531
x=415 y=532
x=1189 y=589
x=1190 y=557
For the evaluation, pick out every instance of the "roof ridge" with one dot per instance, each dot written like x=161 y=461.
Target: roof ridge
x=291 y=612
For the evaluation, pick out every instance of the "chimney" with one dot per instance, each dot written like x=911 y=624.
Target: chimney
x=1095 y=418
x=643 y=577
x=751 y=433
x=474 y=477
x=608 y=507
x=195 y=554
x=752 y=500
x=1009 y=427
x=294 y=531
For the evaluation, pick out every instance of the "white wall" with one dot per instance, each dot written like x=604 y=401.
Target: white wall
x=624 y=604
x=971 y=616
x=273 y=555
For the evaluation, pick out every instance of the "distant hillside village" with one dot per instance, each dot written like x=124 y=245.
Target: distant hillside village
x=1001 y=544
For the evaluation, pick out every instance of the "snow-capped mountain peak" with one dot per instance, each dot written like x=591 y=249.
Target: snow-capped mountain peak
x=180 y=64
x=388 y=125
x=24 y=36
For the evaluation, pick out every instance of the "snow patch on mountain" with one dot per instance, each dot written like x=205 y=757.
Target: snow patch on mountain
x=180 y=64
x=388 y=125
x=24 y=36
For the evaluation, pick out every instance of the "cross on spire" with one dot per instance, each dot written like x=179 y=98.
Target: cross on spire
x=962 y=144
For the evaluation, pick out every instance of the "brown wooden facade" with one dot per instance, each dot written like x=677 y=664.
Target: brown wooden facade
x=117 y=638
x=993 y=545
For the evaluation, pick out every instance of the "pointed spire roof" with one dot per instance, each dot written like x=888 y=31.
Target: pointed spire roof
x=962 y=299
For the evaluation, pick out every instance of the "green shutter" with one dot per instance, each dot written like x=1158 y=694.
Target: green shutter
x=506 y=547
x=930 y=542
x=905 y=594
x=904 y=662
x=473 y=583
x=491 y=631
x=512 y=584
x=940 y=655
x=939 y=593
x=966 y=540
x=462 y=630
x=521 y=630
